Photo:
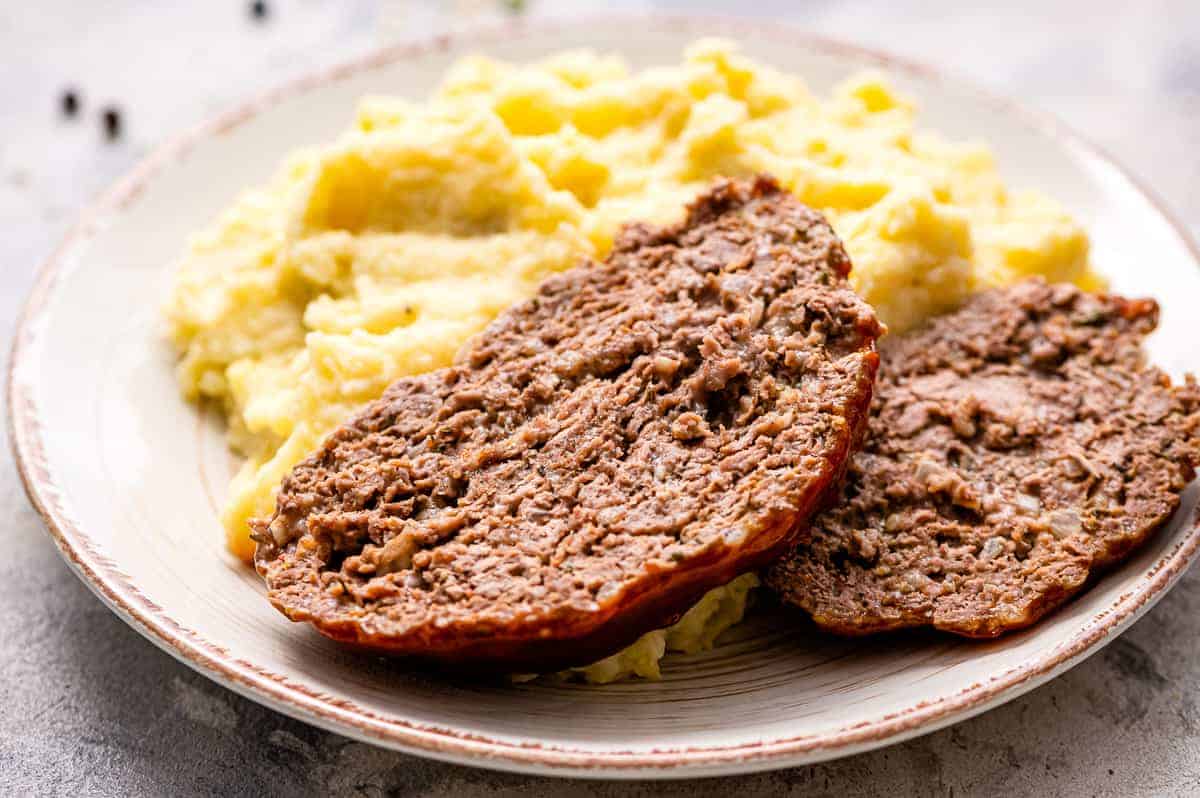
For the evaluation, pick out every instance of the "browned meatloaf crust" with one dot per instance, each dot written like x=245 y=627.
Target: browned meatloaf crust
x=643 y=430
x=1015 y=447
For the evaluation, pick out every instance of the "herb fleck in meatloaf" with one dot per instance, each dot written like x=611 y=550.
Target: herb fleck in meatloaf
x=1015 y=447
x=643 y=430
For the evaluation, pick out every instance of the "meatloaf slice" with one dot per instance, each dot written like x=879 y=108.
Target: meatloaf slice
x=1015 y=447
x=641 y=431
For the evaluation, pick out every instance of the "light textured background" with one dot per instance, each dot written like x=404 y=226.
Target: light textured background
x=87 y=707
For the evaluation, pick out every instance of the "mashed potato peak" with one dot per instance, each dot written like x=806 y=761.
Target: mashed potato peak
x=377 y=256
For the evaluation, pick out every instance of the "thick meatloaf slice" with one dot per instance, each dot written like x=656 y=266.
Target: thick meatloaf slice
x=1015 y=447
x=641 y=431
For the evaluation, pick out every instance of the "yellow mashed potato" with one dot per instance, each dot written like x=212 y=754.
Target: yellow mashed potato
x=696 y=631
x=378 y=255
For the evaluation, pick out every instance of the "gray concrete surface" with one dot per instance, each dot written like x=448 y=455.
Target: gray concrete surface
x=87 y=707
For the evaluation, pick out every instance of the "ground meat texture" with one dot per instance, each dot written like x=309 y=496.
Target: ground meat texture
x=641 y=431
x=1016 y=447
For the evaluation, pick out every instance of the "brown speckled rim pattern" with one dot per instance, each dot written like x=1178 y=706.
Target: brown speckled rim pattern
x=285 y=695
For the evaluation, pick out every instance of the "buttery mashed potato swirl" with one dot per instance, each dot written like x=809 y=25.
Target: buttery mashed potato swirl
x=377 y=256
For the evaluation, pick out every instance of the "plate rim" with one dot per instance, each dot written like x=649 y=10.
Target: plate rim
x=279 y=692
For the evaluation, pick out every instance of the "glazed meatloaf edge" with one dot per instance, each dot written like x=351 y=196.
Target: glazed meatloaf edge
x=1016 y=447
x=645 y=429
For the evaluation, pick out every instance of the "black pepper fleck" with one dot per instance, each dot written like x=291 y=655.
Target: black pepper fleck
x=259 y=10
x=111 y=118
x=69 y=102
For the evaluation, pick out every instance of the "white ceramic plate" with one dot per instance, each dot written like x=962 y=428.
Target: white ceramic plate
x=129 y=477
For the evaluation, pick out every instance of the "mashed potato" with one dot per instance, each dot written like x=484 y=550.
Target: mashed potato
x=697 y=630
x=378 y=255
